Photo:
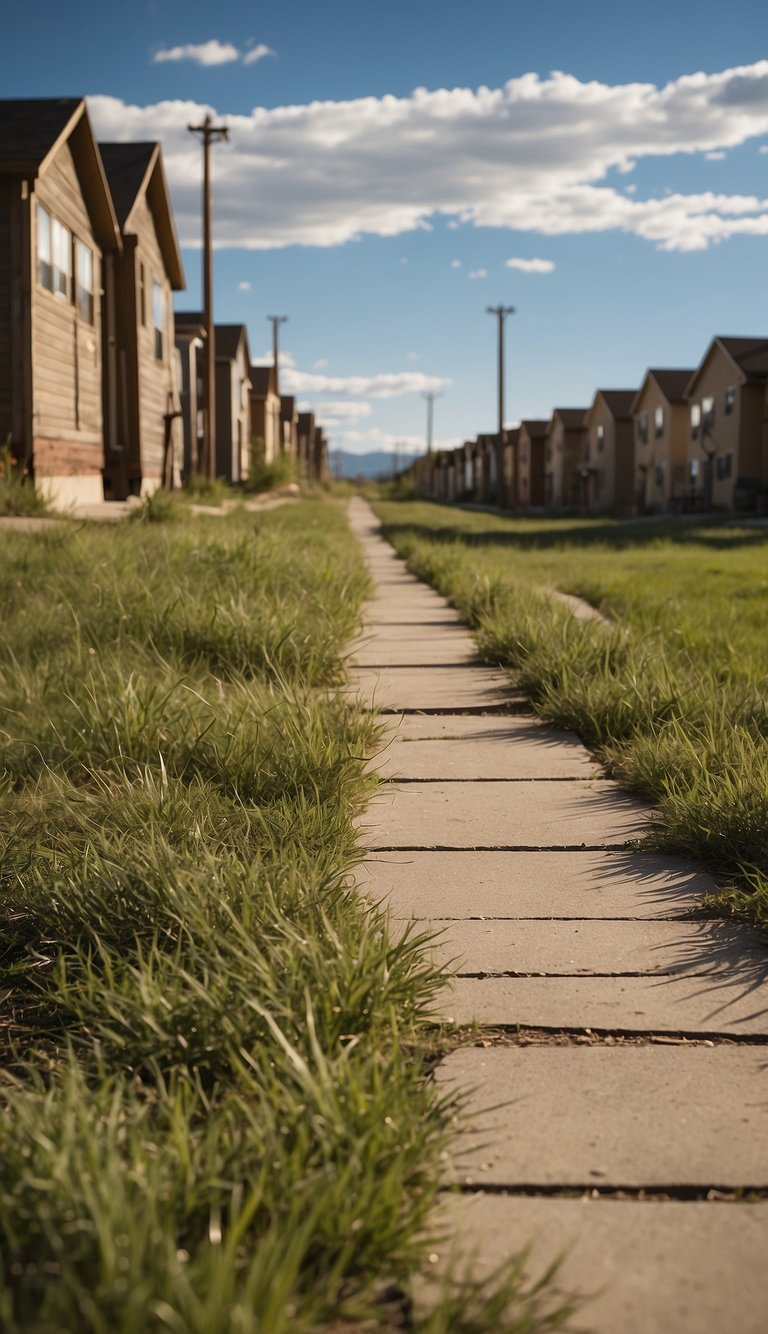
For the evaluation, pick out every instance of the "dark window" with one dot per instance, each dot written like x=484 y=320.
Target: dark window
x=158 y=318
x=601 y=438
x=658 y=422
x=142 y=295
x=724 y=466
x=730 y=400
x=642 y=428
x=695 y=420
x=84 y=281
x=707 y=415
x=44 y=254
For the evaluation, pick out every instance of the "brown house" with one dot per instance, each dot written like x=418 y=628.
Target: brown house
x=58 y=240
x=531 y=449
x=320 y=468
x=289 y=426
x=145 y=449
x=563 y=452
x=608 y=468
x=660 y=413
x=728 y=430
x=265 y=412
x=507 y=468
x=305 y=437
x=233 y=403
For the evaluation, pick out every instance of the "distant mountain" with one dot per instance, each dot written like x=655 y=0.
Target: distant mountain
x=379 y=463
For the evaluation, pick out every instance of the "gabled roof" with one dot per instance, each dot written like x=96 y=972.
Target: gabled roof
x=32 y=130
x=287 y=407
x=189 y=323
x=618 y=401
x=572 y=418
x=673 y=385
x=535 y=427
x=262 y=381
x=748 y=355
x=229 y=339
x=135 y=170
x=306 y=419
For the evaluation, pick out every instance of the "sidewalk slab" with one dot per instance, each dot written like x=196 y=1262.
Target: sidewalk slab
x=642 y=1267
x=567 y=949
x=581 y=885
x=504 y=815
x=698 y=1006
x=446 y=648
x=518 y=749
x=650 y=1118
x=421 y=688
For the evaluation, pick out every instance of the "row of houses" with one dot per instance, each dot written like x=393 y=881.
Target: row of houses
x=100 y=383
x=686 y=440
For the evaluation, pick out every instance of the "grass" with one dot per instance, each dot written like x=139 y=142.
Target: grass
x=672 y=694
x=215 y=1109
x=18 y=494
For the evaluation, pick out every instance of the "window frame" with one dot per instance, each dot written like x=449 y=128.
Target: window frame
x=658 y=421
x=159 y=309
x=85 y=296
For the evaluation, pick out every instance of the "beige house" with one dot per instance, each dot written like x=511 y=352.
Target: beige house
x=728 y=426
x=660 y=414
x=266 y=430
x=146 y=448
x=564 y=448
x=190 y=338
x=233 y=403
x=608 y=468
x=531 y=448
x=507 y=468
x=59 y=238
x=289 y=426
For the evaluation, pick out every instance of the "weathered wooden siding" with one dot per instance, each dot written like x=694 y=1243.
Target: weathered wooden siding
x=6 y=423
x=66 y=350
x=157 y=378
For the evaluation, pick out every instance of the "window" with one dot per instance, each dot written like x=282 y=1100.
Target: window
x=601 y=438
x=642 y=428
x=143 y=296
x=54 y=254
x=730 y=400
x=44 y=256
x=158 y=317
x=61 y=248
x=694 y=469
x=84 y=279
x=695 y=420
x=707 y=415
x=658 y=422
x=724 y=466
x=660 y=473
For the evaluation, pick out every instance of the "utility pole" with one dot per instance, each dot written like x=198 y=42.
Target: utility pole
x=501 y=313
x=210 y=134
x=430 y=396
x=276 y=321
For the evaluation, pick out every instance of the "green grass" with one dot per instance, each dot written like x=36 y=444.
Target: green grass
x=673 y=694
x=18 y=494
x=215 y=1109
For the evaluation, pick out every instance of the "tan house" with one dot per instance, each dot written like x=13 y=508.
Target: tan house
x=146 y=448
x=190 y=338
x=289 y=426
x=728 y=427
x=608 y=467
x=266 y=431
x=531 y=448
x=233 y=402
x=320 y=468
x=507 y=469
x=59 y=237
x=563 y=451
x=660 y=413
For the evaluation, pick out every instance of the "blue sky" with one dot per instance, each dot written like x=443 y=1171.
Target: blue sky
x=381 y=221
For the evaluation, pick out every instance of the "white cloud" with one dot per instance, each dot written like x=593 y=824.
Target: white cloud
x=715 y=156
x=533 y=154
x=255 y=53
x=204 y=53
x=455 y=263
x=531 y=265
x=477 y=273
x=320 y=364
x=370 y=386
x=244 y=287
x=360 y=442
x=334 y=414
x=763 y=148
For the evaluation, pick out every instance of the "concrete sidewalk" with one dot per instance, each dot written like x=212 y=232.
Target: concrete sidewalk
x=617 y=1094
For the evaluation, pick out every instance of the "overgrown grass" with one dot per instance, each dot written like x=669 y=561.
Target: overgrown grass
x=215 y=1115
x=673 y=694
x=18 y=493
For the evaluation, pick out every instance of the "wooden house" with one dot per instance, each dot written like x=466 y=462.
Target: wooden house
x=608 y=468
x=507 y=468
x=146 y=448
x=233 y=402
x=265 y=413
x=59 y=239
x=531 y=449
x=190 y=338
x=305 y=437
x=563 y=451
x=661 y=416
x=320 y=465
x=728 y=425
x=289 y=426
